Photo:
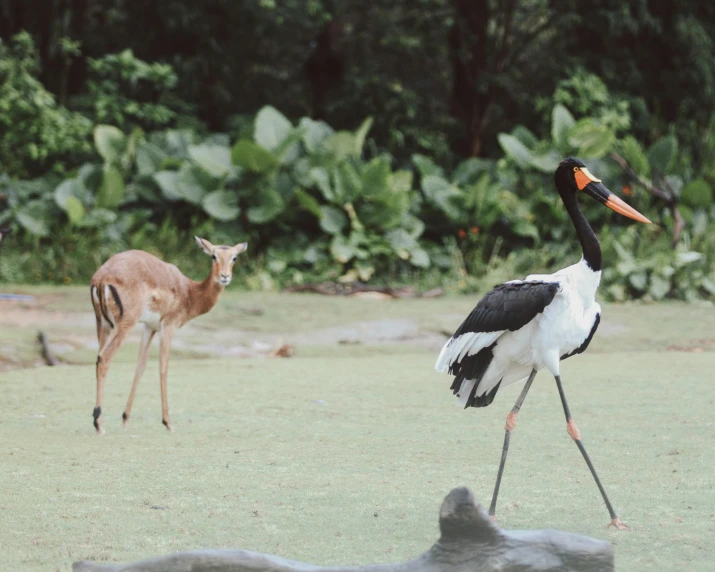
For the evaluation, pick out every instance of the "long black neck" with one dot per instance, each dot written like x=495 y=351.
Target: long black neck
x=589 y=242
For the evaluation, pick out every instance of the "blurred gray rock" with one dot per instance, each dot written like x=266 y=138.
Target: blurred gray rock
x=469 y=542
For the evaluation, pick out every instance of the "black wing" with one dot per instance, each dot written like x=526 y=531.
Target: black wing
x=509 y=306
x=584 y=345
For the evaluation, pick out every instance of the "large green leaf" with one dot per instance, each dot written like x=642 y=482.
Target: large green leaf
x=332 y=219
x=192 y=184
x=314 y=133
x=150 y=159
x=308 y=202
x=346 y=182
x=401 y=242
x=248 y=155
x=469 y=170
x=697 y=194
x=64 y=191
x=74 y=209
x=168 y=183
x=526 y=229
x=442 y=194
x=110 y=143
x=592 y=140
x=361 y=134
x=89 y=178
x=221 y=205
x=271 y=205
x=289 y=149
x=632 y=152
x=271 y=128
x=344 y=249
x=173 y=142
x=98 y=218
x=662 y=154
x=561 y=122
x=375 y=176
x=215 y=159
x=340 y=145
x=659 y=287
x=546 y=163
x=386 y=196
x=419 y=258
x=401 y=181
x=321 y=179
x=111 y=192
x=427 y=166
x=32 y=219
x=515 y=149
x=525 y=135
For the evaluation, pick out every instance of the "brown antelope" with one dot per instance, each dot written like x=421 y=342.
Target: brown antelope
x=135 y=286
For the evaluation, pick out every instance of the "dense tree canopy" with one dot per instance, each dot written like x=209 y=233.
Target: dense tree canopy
x=442 y=75
x=352 y=139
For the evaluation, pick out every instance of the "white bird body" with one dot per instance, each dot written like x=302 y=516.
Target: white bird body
x=563 y=326
x=520 y=327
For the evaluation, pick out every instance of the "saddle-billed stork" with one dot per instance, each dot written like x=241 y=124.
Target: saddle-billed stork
x=523 y=326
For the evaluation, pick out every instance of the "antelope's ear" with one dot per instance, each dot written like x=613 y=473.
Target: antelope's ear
x=204 y=245
x=240 y=247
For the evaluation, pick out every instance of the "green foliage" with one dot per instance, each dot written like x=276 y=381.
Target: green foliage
x=641 y=266
x=36 y=135
x=316 y=203
x=586 y=94
x=348 y=216
x=126 y=91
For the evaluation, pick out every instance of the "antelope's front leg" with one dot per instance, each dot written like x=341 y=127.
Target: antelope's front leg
x=167 y=335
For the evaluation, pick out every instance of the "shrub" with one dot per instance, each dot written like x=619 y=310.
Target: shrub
x=36 y=135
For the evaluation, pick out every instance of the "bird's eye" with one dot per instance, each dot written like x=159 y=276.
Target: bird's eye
x=575 y=169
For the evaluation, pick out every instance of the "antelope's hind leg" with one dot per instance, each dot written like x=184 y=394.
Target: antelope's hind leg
x=167 y=335
x=144 y=344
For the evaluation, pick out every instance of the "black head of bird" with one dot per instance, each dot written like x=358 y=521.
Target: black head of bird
x=572 y=176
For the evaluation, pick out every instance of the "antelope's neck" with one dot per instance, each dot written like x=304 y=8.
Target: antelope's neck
x=203 y=296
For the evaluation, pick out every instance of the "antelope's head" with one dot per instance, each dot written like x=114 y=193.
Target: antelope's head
x=223 y=258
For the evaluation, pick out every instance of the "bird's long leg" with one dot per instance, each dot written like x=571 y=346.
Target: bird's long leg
x=576 y=436
x=510 y=424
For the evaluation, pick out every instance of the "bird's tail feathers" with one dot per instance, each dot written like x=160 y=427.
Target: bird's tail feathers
x=467 y=344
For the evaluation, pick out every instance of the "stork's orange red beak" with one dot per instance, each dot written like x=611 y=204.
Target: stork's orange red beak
x=602 y=194
x=616 y=204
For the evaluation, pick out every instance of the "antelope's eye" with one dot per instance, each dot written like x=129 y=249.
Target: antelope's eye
x=214 y=257
x=575 y=169
x=233 y=260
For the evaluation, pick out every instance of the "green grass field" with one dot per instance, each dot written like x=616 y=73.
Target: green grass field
x=343 y=453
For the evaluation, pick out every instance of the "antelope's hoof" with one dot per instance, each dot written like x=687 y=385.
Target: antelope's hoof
x=168 y=425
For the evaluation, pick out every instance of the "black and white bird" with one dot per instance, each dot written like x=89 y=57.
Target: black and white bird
x=525 y=325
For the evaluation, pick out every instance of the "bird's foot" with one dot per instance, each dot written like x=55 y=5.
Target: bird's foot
x=618 y=524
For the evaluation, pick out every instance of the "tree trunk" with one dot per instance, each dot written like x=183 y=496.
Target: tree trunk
x=468 y=46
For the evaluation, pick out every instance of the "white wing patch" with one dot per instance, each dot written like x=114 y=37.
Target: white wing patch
x=467 y=344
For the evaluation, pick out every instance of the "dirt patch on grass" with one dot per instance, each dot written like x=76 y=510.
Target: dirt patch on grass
x=72 y=337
